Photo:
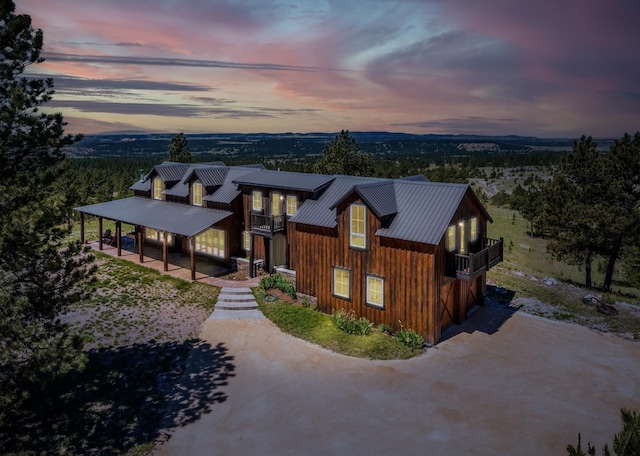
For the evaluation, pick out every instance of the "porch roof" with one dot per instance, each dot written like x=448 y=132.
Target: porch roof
x=174 y=218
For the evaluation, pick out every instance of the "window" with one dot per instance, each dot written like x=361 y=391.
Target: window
x=197 y=194
x=375 y=291
x=341 y=282
x=463 y=239
x=157 y=188
x=276 y=202
x=246 y=241
x=211 y=242
x=257 y=200
x=292 y=204
x=157 y=236
x=451 y=238
x=358 y=226
x=473 y=229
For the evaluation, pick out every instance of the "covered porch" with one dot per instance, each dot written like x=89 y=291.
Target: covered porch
x=170 y=220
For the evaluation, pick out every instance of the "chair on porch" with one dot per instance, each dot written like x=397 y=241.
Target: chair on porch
x=108 y=238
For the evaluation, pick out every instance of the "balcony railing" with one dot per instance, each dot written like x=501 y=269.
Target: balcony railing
x=267 y=224
x=472 y=265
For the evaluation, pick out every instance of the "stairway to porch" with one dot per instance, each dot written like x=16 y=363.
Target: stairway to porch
x=236 y=303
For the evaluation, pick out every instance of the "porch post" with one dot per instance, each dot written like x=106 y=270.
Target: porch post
x=140 y=243
x=99 y=233
x=82 y=227
x=118 y=235
x=251 y=246
x=165 y=252
x=271 y=261
x=192 y=242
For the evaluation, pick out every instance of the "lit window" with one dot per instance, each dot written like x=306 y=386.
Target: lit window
x=292 y=204
x=157 y=188
x=463 y=239
x=257 y=200
x=473 y=229
x=341 y=283
x=275 y=204
x=451 y=238
x=157 y=236
x=211 y=242
x=375 y=291
x=358 y=226
x=197 y=194
x=246 y=241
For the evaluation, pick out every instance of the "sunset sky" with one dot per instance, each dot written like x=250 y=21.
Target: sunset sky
x=547 y=68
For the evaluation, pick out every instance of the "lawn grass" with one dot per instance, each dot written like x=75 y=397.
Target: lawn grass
x=317 y=328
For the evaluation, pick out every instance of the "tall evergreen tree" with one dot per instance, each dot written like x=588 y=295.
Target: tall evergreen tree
x=575 y=206
x=343 y=156
x=38 y=277
x=178 y=151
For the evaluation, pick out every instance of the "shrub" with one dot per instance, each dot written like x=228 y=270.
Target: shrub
x=410 y=338
x=385 y=328
x=350 y=323
x=279 y=282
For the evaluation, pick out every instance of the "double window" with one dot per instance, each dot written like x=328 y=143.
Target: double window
x=197 y=194
x=358 y=226
x=211 y=242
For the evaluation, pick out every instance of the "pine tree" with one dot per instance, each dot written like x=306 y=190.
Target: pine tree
x=178 y=151
x=343 y=156
x=38 y=277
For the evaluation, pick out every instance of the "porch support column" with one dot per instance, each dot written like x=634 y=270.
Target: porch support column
x=140 y=244
x=82 y=227
x=118 y=238
x=99 y=233
x=192 y=245
x=271 y=261
x=251 y=246
x=165 y=252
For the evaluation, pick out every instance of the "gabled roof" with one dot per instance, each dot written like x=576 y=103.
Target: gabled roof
x=170 y=171
x=209 y=176
x=228 y=191
x=286 y=180
x=380 y=197
x=171 y=217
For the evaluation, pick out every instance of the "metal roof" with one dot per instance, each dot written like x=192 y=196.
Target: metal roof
x=162 y=216
x=380 y=197
x=228 y=191
x=286 y=180
x=170 y=171
x=141 y=186
x=210 y=176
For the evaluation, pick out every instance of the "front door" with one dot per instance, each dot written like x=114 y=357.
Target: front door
x=276 y=203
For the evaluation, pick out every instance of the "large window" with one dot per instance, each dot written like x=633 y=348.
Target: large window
x=473 y=229
x=451 y=238
x=276 y=209
x=257 y=200
x=157 y=236
x=462 y=248
x=292 y=204
x=358 y=226
x=375 y=291
x=197 y=194
x=211 y=242
x=342 y=282
x=157 y=188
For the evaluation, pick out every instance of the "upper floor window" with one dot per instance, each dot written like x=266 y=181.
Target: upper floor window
x=157 y=188
x=375 y=291
x=462 y=247
x=257 y=200
x=358 y=227
x=197 y=194
x=451 y=238
x=292 y=204
x=473 y=229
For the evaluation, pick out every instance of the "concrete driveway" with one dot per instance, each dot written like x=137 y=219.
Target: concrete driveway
x=527 y=389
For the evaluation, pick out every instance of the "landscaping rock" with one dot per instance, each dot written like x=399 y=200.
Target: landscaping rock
x=591 y=299
x=549 y=281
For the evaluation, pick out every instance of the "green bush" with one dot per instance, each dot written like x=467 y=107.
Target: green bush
x=385 y=328
x=279 y=282
x=350 y=323
x=410 y=338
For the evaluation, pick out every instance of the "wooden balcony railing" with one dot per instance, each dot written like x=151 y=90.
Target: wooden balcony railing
x=267 y=224
x=472 y=265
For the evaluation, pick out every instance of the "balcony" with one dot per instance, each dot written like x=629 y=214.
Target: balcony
x=266 y=224
x=473 y=265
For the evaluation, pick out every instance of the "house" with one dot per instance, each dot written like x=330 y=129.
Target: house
x=403 y=252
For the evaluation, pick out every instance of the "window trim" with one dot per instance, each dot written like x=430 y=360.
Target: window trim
x=254 y=194
x=293 y=198
x=333 y=282
x=195 y=194
x=382 y=280
x=356 y=235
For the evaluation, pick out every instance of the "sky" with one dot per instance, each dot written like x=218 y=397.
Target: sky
x=545 y=68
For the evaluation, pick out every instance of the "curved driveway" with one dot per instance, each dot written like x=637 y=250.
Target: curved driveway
x=527 y=389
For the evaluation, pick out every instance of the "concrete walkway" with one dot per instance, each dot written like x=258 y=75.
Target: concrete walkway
x=236 y=303
x=527 y=388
